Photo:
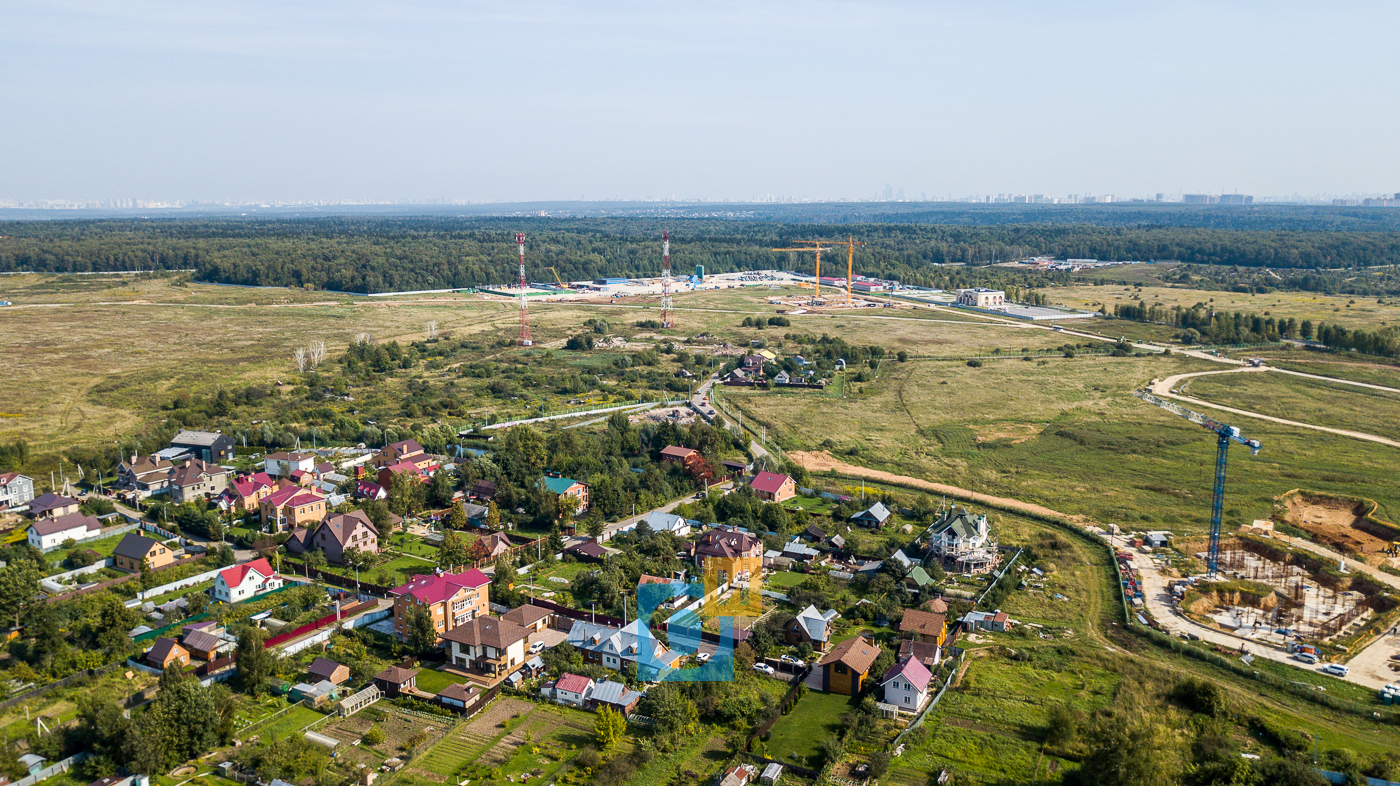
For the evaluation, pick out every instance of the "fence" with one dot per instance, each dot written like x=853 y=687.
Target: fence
x=188 y=581
x=52 y=769
x=151 y=634
x=114 y=582
x=999 y=577
x=577 y=614
x=923 y=714
x=103 y=535
x=61 y=579
x=56 y=684
x=343 y=614
x=783 y=707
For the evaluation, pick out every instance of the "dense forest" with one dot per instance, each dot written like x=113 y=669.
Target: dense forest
x=386 y=254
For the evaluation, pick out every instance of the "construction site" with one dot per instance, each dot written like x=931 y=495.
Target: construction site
x=1347 y=526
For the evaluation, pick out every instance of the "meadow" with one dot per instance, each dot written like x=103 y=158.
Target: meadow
x=1322 y=403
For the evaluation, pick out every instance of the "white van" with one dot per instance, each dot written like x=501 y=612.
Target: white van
x=1337 y=669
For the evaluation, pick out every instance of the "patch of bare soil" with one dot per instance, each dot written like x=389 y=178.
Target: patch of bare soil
x=1336 y=523
x=489 y=722
x=1016 y=432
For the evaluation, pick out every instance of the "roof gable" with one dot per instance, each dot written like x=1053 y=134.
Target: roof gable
x=236 y=575
x=135 y=546
x=769 y=482
x=915 y=672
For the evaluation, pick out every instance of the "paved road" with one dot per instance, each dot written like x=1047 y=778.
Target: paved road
x=616 y=527
x=509 y=423
x=239 y=555
x=1164 y=388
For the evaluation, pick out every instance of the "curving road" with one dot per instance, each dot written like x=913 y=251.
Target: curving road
x=1164 y=389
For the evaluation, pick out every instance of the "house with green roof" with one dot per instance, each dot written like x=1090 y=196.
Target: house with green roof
x=563 y=487
x=918 y=579
x=963 y=540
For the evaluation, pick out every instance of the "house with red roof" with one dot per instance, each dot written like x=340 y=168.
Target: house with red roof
x=412 y=470
x=772 y=487
x=246 y=491
x=573 y=689
x=337 y=534
x=241 y=582
x=906 y=685
x=452 y=599
x=368 y=489
x=292 y=506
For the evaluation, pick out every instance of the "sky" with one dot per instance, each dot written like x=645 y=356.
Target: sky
x=525 y=100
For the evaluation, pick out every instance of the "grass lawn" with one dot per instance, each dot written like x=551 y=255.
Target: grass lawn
x=412 y=545
x=180 y=593
x=783 y=579
x=797 y=736
x=286 y=724
x=434 y=681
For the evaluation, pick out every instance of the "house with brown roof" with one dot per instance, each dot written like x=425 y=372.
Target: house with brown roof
x=451 y=599
x=732 y=555
x=166 y=652
x=144 y=475
x=484 y=489
x=133 y=551
x=497 y=543
x=773 y=487
x=49 y=534
x=532 y=618
x=846 y=666
x=330 y=671
x=202 y=644
x=924 y=626
x=336 y=535
x=407 y=450
x=488 y=644
x=686 y=457
x=588 y=551
x=50 y=505
x=197 y=480
x=395 y=681
x=927 y=654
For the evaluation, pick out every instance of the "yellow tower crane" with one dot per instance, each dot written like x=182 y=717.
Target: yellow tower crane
x=850 y=245
x=812 y=245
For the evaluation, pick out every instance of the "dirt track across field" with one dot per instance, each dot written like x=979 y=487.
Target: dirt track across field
x=822 y=461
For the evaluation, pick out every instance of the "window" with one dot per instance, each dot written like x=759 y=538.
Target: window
x=840 y=668
x=906 y=699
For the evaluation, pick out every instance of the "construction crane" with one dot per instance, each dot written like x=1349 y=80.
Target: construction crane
x=814 y=245
x=556 y=277
x=1226 y=435
x=850 y=245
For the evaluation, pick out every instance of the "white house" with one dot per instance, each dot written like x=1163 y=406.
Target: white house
x=49 y=534
x=573 y=689
x=906 y=685
x=668 y=522
x=242 y=582
x=488 y=644
x=295 y=462
x=962 y=539
x=981 y=297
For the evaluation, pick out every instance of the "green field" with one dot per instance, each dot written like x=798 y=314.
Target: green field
x=288 y=723
x=433 y=681
x=797 y=736
x=1331 y=404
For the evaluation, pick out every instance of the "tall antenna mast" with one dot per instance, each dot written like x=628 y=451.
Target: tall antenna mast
x=666 y=320
x=524 y=309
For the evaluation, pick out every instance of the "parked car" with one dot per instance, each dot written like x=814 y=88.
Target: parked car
x=765 y=669
x=702 y=657
x=790 y=659
x=537 y=648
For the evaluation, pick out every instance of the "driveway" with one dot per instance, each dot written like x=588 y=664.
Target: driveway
x=550 y=636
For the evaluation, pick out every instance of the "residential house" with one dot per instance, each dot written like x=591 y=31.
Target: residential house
x=686 y=457
x=245 y=492
x=407 y=469
x=497 y=543
x=196 y=479
x=451 y=599
x=874 y=516
x=330 y=671
x=573 y=689
x=772 y=487
x=292 y=506
x=997 y=621
x=275 y=463
x=588 y=551
x=738 y=775
x=752 y=364
x=166 y=652
x=396 y=681
x=935 y=605
x=210 y=446
x=962 y=540
x=927 y=654
x=458 y=695
x=15 y=490
x=135 y=551
x=567 y=490
x=484 y=490
x=202 y=644
x=144 y=475
x=49 y=534
x=906 y=685
x=241 y=582
x=924 y=626
x=338 y=534
x=487 y=644
x=50 y=506
x=530 y=617
x=407 y=450
x=615 y=696
x=799 y=552
x=811 y=627
x=846 y=666
x=368 y=489
x=782 y=378
x=615 y=648
x=668 y=522
x=918 y=579
x=731 y=555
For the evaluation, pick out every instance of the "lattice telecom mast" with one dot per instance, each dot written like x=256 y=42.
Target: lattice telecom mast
x=524 y=309
x=666 y=320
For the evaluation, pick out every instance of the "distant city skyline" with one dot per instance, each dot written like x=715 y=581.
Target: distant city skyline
x=494 y=102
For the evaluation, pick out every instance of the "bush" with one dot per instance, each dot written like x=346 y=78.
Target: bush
x=374 y=736
x=974 y=363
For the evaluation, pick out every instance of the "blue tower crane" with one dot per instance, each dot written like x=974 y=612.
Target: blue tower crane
x=1226 y=435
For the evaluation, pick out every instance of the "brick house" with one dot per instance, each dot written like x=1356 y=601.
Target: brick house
x=196 y=479
x=772 y=487
x=452 y=599
x=292 y=506
x=487 y=644
x=733 y=555
x=336 y=535
x=567 y=488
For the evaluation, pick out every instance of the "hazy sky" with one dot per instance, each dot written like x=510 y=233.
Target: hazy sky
x=344 y=99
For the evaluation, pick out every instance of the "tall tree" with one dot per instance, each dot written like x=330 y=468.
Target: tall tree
x=452 y=554
x=420 y=632
x=255 y=663
x=608 y=727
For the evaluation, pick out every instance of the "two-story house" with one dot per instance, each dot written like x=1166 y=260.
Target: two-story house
x=407 y=450
x=284 y=463
x=732 y=556
x=336 y=535
x=906 y=685
x=241 y=582
x=773 y=487
x=811 y=627
x=616 y=648
x=488 y=644
x=846 y=666
x=292 y=506
x=196 y=479
x=452 y=599
x=925 y=626
x=208 y=446
x=568 y=490
x=962 y=540
x=245 y=492
x=50 y=506
x=15 y=490
x=144 y=476
x=133 y=552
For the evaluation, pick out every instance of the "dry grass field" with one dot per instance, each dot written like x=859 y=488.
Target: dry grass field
x=1352 y=312
x=1331 y=404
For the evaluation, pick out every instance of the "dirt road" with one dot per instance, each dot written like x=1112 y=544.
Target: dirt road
x=1164 y=388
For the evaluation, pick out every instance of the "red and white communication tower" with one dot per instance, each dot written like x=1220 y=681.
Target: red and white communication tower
x=524 y=309
x=666 y=280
